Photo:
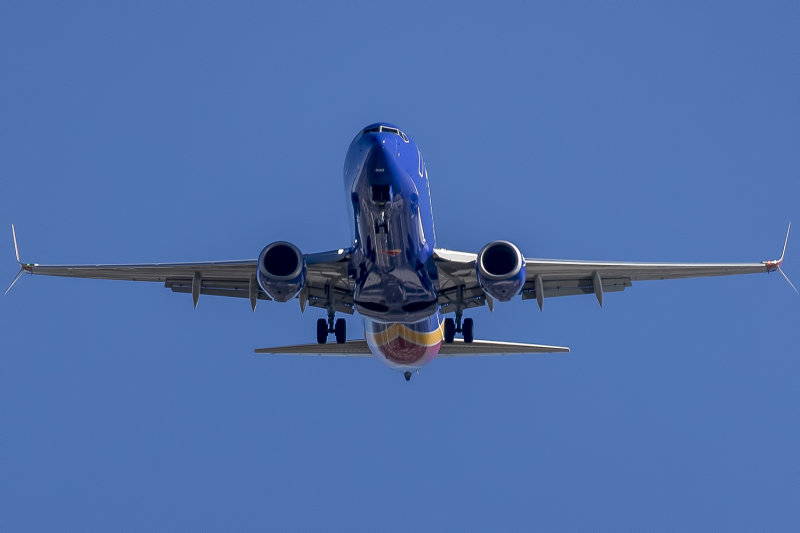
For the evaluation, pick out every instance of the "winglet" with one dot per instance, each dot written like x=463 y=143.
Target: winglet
x=23 y=267
x=16 y=248
x=785 y=242
x=775 y=264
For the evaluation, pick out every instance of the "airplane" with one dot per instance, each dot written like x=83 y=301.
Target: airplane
x=393 y=274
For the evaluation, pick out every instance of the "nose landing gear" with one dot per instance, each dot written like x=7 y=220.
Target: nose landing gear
x=407 y=375
x=381 y=223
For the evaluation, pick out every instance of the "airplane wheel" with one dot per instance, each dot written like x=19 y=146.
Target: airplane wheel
x=467 y=328
x=449 y=330
x=322 y=331
x=340 y=330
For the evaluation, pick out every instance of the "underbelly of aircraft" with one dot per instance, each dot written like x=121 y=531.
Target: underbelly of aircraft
x=405 y=345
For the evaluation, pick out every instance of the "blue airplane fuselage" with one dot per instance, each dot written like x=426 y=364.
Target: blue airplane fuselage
x=396 y=285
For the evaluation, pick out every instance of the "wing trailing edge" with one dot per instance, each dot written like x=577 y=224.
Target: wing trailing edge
x=479 y=347
x=355 y=348
x=359 y=348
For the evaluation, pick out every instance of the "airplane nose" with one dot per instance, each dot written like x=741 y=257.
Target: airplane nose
x=377 y=163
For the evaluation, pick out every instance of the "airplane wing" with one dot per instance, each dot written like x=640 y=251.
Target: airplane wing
x=547 y=278
x=326 y=275
x=359 y=348
x=356 y=348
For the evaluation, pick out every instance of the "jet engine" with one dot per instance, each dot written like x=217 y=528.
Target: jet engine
x=281 y=271
x=501 y=270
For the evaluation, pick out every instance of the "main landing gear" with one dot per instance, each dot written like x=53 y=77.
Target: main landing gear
x=337 y=327
x=451 y=327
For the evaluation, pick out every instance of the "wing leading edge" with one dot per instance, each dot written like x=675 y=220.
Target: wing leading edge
x=330 y=287
x=326 y=274
x=547 y=278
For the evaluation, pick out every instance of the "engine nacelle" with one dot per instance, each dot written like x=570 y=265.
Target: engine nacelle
x=501 y=270
x=281 y=271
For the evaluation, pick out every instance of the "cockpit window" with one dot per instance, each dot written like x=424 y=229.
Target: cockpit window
x=387 y=129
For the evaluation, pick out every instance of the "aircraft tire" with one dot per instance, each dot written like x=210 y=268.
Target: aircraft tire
x=340 y=330
x=322 y=331
x=449 y=330
x=467 y=329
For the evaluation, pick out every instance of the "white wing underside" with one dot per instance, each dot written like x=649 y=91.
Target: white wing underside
x=328 y=280
x=557 y=277
x=329 y=285
x=326 y=275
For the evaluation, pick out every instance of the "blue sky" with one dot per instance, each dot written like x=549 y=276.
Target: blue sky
x=139 y=132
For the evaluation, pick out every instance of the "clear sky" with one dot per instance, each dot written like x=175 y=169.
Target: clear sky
x=139 y=132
